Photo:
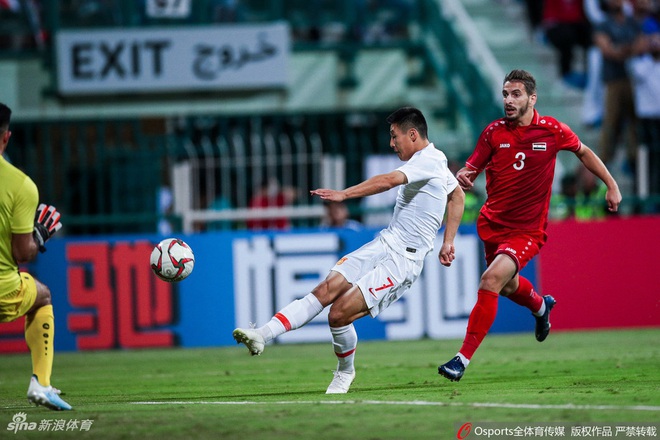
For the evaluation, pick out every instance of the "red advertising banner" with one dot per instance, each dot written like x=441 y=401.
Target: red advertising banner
x=604 y=274
x=124 y=299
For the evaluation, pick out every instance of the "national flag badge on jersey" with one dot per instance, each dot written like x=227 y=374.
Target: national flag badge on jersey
x=539 y=146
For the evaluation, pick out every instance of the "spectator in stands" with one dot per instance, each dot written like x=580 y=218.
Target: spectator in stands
x=582 y=197
x=271 y=194
x=590 y=198
x=562 y=205
x=90 y=13
x=338 y=216
x=220 y=203
x=534 y=10
x=20 y=25
x=567 y=29
x=10 y=21
x=618 y=38
x=384 y=20
x=645 y=72
x=594 y=91
x=227 y=11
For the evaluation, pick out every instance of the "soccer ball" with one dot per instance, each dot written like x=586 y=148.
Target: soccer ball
x=172 y=260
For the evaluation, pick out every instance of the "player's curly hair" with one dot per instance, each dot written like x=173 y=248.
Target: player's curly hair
x=523 y=76
x=410 y=117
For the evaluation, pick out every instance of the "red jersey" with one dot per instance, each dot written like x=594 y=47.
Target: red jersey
x=520 y=168
x=267 y=201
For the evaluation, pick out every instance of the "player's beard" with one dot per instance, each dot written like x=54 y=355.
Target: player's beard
x=518 y=114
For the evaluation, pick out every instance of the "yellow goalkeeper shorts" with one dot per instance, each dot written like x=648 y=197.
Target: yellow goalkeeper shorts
x=17 y=303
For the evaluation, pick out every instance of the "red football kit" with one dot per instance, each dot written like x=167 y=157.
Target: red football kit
x=520 y=167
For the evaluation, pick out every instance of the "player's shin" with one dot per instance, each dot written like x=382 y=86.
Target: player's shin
x=344 y=343
x=39 y=333
x=293 y=316
x=479 y=323
x=526 y=296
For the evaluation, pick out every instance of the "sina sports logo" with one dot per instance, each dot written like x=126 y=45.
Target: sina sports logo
x=19 y=423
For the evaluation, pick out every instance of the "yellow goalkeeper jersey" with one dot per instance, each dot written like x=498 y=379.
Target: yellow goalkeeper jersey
x=18 y=203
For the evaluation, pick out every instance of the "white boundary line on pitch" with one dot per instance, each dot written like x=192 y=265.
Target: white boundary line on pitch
x=413 y=403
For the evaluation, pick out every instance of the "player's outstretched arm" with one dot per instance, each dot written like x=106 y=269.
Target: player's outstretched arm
x=373 y=185
x=455 y=206
x=593 y=163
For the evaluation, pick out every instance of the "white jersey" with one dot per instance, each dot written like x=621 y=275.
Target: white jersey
x=420 y=204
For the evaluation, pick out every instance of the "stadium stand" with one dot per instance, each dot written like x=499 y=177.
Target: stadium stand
x=108 y=157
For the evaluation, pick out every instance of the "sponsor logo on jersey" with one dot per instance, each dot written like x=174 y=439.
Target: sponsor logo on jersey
x=505 y=145
x=513 y=251
x=386 y=285
x=341 y=260
x=539 y=146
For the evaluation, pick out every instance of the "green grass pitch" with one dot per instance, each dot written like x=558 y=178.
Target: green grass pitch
x=573 y=378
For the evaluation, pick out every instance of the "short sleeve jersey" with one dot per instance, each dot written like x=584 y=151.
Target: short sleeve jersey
x=420 y=203
x=18 y=202
x=520 y=167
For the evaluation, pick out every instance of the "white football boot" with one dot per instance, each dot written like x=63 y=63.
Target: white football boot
x=341 y=382
x=252 y=340
x=46 y=396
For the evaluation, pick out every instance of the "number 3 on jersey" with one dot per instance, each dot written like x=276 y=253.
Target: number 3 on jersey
x=520 y=164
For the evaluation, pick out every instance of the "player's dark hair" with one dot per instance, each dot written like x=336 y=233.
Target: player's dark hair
x=5 y=116
x=523 y=76
x=409 y=117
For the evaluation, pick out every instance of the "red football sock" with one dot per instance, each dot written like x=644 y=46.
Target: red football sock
x=526 y=296
x=481 y=319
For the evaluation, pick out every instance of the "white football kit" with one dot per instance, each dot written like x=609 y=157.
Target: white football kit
x=385 y=268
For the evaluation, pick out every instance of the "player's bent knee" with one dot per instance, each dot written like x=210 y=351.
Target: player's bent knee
x=337 y=317
x=328 y=290
x=43 y=295
x=491 y=282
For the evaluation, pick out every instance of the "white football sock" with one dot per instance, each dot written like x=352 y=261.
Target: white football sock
x=293 y=316
x=463 y=359
x=541 y=311
x=344 y=342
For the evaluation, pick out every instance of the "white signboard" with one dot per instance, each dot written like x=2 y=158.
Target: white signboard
x=172 y=59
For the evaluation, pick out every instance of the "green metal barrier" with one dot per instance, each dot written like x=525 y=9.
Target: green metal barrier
x=104 y=176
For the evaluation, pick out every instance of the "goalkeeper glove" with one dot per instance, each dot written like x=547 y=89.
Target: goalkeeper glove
x=46 y=223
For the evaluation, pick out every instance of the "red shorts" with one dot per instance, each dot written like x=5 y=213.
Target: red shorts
x=520 y=245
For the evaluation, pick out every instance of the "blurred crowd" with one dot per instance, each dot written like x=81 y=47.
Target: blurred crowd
x=24 y=23
x=610 y=50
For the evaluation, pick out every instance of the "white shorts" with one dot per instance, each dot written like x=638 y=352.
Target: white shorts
x=382 y=275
